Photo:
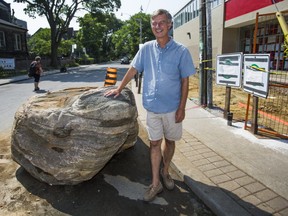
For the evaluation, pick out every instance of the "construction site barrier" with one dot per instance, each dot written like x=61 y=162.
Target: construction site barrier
x=111 y=77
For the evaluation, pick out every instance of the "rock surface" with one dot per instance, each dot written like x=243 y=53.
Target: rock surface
x=67 y=137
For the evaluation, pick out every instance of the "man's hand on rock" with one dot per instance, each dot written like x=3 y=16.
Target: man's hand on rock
x=111 y=92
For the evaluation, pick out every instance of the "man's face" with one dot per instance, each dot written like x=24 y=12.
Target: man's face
x=160 y=26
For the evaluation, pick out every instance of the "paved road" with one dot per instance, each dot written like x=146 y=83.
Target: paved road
x=119 y=187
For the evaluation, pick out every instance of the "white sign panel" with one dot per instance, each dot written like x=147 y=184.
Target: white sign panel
x=256 y=74
x=7 y=63
x=229 y=70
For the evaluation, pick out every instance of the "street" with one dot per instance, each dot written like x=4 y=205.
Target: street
x=117 y=190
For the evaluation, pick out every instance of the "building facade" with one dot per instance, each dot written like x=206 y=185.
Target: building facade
x=13 y=32
x=232 y=28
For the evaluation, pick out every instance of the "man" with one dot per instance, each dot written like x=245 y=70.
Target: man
x=38 y=72
x=166 y=67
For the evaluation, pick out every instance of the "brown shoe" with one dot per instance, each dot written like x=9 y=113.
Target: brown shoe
x=151 y=193
x=167 y=180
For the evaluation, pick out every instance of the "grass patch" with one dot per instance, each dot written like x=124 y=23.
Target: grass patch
x=11 y=73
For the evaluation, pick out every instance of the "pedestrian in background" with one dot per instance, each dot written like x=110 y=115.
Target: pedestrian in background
x=166 y=67
x=38 y=71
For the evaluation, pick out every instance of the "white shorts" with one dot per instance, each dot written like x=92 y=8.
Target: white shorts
x=163 y=125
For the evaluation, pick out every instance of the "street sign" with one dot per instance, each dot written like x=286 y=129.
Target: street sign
x=229 y=70
x=256 y=74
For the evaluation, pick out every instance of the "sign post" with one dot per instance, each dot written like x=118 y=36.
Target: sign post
x=256 y=81
x=229 y=73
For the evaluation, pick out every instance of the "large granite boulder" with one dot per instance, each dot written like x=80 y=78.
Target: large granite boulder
x=67 y=137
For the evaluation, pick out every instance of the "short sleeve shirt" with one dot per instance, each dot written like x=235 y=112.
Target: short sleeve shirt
x=163 y=70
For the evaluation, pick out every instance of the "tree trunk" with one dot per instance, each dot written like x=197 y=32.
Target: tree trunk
x=54 y=53
x=54 y=46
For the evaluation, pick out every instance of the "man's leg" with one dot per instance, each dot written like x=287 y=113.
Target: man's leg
x=155 y=157
x=168 y=152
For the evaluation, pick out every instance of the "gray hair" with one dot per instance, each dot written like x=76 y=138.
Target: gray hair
x=161 y=12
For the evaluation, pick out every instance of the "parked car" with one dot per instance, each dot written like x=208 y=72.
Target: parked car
x=125 y=60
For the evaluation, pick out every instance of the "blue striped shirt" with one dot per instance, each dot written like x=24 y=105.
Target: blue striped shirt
x=163 y=69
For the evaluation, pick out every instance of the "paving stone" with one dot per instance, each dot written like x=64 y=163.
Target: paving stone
x=230 y=185
x=221 y=163
x=185 y=149
x=206 y=167
x=199 y=146
x=190 y=139
x=220 y=179
x=204 y=150
x=200 y=162
x=228 y=168
x=255 y=187
x=195 y=158
x=236 y=174
x=191 y=153
x=214 y=172
x=245 y=180
x=284 y=212
x=215 y=158
x=180 y=142
x=278 y=203
x=252 y=200
x=266 y=195
x=210 y=154
x=183 y=145
x=241 y=192
x=265 y=207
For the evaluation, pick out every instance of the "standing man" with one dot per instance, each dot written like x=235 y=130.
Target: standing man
x=166 y=67
x=38 y=71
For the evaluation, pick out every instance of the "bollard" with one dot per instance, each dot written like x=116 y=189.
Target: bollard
x=111 y=77
x=229 y=118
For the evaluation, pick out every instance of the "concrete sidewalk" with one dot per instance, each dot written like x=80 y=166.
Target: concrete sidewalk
x=231 y=170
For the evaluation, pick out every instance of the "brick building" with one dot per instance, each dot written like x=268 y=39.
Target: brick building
x=13 y=34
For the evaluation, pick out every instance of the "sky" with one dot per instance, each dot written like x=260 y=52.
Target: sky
x=128 y=8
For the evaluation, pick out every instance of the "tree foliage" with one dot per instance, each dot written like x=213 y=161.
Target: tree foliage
x=127 y=39
x=59 y=14
x=40 y=43
x=95 y=34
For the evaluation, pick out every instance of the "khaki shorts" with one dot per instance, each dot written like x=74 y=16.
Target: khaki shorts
x=163 y=125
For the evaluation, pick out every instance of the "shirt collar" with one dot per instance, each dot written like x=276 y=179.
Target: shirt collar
x=167 y=45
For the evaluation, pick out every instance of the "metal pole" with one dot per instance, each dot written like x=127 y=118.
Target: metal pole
x=254 y=122
x=139 y=76
x=203 y=56
x=209 y=56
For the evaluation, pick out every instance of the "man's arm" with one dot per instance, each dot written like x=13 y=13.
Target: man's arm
x=180 y=113
x=128 y=76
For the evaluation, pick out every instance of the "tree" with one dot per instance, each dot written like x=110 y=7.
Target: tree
x=59 y=14
x=40 y=44
x=95 y=34
x=127 y=39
